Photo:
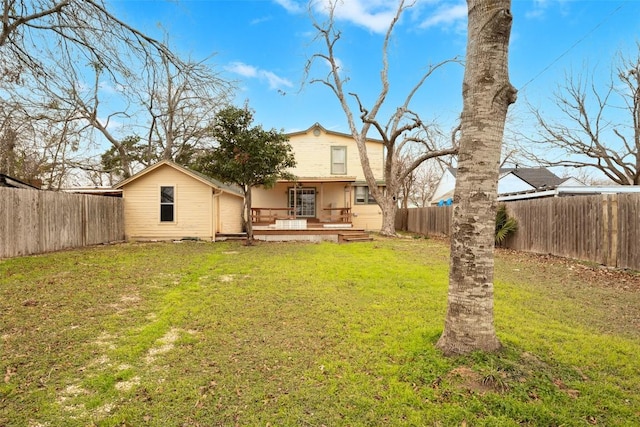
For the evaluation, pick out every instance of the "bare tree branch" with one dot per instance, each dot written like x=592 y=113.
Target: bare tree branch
x=404 y=128
x=589 y=137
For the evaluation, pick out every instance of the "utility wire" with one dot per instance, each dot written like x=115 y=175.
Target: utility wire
x=563 y=54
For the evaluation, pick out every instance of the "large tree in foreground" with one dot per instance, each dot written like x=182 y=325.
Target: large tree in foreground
x=487 y=94
x=598 y=127
x=402 y=131
x=246 y=155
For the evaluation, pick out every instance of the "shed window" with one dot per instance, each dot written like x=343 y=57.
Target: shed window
x=167 y=204
x=338 y=160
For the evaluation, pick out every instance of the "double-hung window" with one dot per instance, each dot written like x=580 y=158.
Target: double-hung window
x=339 y=160
x=363 y=196
x=167 y=204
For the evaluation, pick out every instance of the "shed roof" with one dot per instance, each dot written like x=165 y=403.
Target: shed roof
x=212 y=182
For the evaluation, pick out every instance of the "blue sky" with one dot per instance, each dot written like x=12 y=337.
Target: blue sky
x=263 y=45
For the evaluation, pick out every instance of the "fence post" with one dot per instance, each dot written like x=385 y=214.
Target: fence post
x=614 y=231
x=610 y=229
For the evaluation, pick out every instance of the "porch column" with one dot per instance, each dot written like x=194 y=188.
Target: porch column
x=321 y=211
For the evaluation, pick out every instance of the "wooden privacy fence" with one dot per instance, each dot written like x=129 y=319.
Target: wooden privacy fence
x=434 y=220
x=604 y=229
x=33 y=221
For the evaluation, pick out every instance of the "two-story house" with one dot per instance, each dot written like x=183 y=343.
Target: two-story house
x=330 y=188
x=167 y=201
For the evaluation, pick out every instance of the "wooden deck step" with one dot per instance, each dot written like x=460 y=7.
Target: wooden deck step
x=354 y=236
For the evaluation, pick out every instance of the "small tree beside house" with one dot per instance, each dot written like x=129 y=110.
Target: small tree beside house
x=246 y=155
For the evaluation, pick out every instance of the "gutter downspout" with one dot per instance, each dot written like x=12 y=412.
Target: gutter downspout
x=215 y=212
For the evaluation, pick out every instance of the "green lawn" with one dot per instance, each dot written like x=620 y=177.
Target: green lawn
x=290 y=334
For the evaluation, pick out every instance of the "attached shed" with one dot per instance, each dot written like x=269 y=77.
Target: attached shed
x=167 y=201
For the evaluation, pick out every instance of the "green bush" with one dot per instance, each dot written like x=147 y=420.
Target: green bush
x=505 y=225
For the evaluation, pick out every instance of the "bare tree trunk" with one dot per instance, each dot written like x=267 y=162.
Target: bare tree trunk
x=487 y=95
x=247 y=222
x=389 y=208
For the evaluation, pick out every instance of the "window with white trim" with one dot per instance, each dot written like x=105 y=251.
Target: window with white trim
x=339 y=160
x=303 y=201
x=167 y=204
x=363 y=196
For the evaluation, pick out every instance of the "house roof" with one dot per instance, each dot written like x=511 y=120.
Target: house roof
x=7 y=181
x=535 y=177
x=212 y=182
x=320 y=179
x=329 y=132
x=580 y=190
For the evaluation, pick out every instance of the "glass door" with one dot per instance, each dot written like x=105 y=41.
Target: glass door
x=303 y=201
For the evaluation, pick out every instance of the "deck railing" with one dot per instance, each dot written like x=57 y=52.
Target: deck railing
x=270 y=215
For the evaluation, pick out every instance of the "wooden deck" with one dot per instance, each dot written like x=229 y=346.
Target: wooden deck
x=281 y=229
x=316 y=233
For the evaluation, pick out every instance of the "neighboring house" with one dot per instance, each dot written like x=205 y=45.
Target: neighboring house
x=167 y=202
x=7 y=181
x=330 y=188
x=511 y=180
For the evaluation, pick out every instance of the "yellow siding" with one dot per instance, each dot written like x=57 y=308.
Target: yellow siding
x=194 y=215
x=229 y=213
x=275 y=197
x=368 y=217
x=313 y=155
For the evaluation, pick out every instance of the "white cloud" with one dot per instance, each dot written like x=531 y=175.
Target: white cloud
x=448 y=15
x=372 y=15
x=243 y=69
x=261 y=20
x=292 y=6
x=273 y=80
x=540 y=8
x=376 y=15
x=111 y=89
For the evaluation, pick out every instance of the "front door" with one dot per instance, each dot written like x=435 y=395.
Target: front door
x=303 y=201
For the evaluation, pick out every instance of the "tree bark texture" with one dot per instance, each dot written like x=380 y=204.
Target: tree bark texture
x=487 y=94
x=246 y=218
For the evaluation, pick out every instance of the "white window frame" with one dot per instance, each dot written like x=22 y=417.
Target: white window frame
x=338 y=168
x=303 y=210
x=368 y=197
x=172 y=204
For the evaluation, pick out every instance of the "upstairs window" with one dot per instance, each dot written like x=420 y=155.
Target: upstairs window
x=167 y=204
x=338 y=160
